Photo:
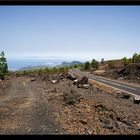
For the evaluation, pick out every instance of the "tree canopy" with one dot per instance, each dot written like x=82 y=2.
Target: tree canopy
x=135 y=59
x=94 y=64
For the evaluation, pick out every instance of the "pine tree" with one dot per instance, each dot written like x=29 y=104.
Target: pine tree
x=125 y=61
x=135 y=58
x=3 y=65
x=87 y=65
x=102 y=60
x=94 y=64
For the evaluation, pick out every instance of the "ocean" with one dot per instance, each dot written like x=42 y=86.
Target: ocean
x=17 y=64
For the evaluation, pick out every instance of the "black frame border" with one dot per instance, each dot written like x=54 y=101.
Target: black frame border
x=70 y=2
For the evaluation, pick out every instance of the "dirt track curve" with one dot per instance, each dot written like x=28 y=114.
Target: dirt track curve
x=25 y=109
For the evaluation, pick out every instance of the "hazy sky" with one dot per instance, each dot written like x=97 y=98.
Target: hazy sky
x=108 y=32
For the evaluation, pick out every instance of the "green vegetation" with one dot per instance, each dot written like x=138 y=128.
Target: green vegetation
x=93 y=65
x=87 y=65
x=127 y=60
x=135 y=59
x=3 y=66
x=48 y=70
x=111 y=64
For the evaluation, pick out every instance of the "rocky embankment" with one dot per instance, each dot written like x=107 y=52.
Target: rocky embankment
x=129 y=73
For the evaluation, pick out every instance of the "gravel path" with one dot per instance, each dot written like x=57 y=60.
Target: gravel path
x=24 y=109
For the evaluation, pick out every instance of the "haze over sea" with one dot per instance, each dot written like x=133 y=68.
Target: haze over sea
x=17 y=64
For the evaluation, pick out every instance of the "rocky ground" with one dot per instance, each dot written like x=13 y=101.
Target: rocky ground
x=129 y=73
x=52 y=104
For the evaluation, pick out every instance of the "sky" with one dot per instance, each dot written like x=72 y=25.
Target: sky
x=77 y=32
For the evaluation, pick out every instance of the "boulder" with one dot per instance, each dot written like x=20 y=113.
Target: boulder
x=43 y=78
x=83 y=121
x=83 y=81
x=121 y=78
x=61 y=76
x=75 y=82
x=79 y=86
x=138 y=126
x=71 y=97
x=107 y=123
x=54 y=81
x=71 y=76
x=32 y=79
x=85 y=86
x=136 y=99
x=124 y=95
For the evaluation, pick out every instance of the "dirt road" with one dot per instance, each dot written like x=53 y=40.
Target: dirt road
x=24 y=109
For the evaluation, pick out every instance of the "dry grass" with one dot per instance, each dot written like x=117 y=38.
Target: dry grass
x=102 y=86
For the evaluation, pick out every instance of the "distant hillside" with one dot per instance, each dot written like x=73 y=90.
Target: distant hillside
x=33 y=67
x=69 y=63
x=44 y=66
